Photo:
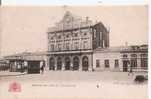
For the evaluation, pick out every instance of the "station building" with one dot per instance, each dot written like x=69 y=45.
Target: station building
x=71 y=43
x=78 y=44
x=121 y=58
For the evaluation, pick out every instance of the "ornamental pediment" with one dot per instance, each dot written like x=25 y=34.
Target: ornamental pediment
x=70 y=21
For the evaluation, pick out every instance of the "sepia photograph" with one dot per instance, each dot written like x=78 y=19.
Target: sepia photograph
x=94 y=52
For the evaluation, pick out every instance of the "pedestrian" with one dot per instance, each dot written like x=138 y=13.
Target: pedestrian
x=130 y=69
x=42 y=69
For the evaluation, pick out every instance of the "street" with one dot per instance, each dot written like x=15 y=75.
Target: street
x=67 y=84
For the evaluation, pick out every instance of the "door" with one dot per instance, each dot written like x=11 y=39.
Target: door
x=85 y=63
x=75 y=63
x=125 y=66
x=67 y=63
x=51 y=64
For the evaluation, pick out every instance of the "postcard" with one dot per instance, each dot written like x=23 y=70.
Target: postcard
x=74 y=52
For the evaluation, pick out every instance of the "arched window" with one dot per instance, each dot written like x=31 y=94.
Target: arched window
x=51 y=64
x=59 y=63
x=85 y=63
x=75 y=63
x=67 y=63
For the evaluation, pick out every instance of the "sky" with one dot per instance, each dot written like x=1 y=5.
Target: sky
x=73 y=2
x=24 y=28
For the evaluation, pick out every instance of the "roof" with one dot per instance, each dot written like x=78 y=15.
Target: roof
x=133 y=48
x=23 y=55
x=110 y=49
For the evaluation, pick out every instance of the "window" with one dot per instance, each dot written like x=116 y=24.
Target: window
x=76 y=45
x=144 y=61
x=133 y=55
x=85 y=34
x=116 y=63
x=67 y=46
x=95 y=33
x=59 y=47
x=52 y=47
x=97 y=63
x=76 y=34
x=85 y=45
x=52 y=38
x=59 y=37
x=144 y=56
x=67 y=36
x=133 y=60
x=124 y=56
x=107 y=65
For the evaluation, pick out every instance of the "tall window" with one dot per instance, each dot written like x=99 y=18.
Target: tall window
x=116 y=63
x=144 y=61
x=107 y=64
x=85 y=44
x=52 y=47
x=133 y=60
x=67 y=46
x=97 y=63
x=95 y=33
x=59 y=47
x=76 y=45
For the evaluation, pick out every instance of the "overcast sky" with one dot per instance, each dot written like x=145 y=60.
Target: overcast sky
x=24 y=28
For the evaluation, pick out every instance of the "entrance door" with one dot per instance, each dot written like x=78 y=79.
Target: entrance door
x=51 y=64
x=75 y=63
x=67 y=63
x=59 y=63
x=125 y=66
x=85 y=63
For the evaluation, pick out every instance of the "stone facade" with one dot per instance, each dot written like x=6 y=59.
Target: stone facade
x=121 y=58
x=79 y=44
x=72 y=41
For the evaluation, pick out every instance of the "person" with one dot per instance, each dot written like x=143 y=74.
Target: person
x=130 y=70
x=42 y=69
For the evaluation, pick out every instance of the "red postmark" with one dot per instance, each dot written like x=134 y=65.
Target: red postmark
x=14 y=87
